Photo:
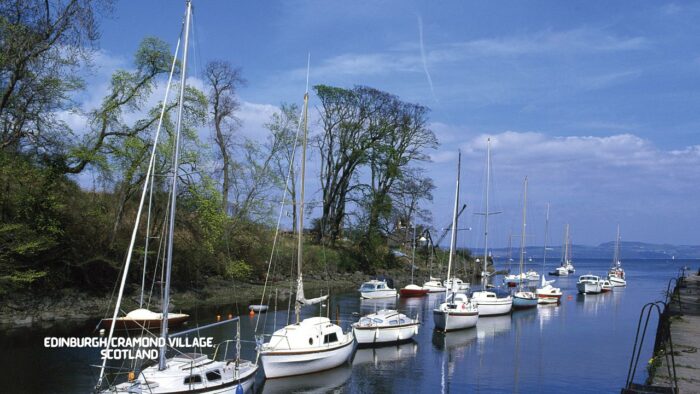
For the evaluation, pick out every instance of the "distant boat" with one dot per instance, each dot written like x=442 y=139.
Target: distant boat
x=258 y=308
x=546 y=293
x=616 y=275
x=522 y=298
x=434 y=285
x=143 y=318
x=605 y=285
x=413 y=290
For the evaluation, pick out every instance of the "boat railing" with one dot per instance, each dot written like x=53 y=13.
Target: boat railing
x=674 y=293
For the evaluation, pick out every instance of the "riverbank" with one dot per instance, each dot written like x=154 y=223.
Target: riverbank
x=71 y=304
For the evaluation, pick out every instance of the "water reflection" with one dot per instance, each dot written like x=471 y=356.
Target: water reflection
x=455 y=339
x=547 y=313
x=321 y=382
x=368 y=306
x=387 y=354
x=489 y=327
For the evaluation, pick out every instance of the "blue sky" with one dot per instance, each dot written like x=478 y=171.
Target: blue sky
x=597 y=102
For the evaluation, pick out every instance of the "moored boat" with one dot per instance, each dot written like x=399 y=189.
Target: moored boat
x=434 y=285
x=376 y=289
x=384 y=327
x=605 y=285
x=413 y=291
x=456 y=314
x=589 y=284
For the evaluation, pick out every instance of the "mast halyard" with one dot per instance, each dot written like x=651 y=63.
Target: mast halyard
x=453 y=238
x=300 y=229
x=173 y=199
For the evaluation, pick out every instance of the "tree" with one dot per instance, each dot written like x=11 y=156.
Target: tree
x=350 y=129
x=283 y=128
x=224 y=80
x=405 y=137
x=44 y=44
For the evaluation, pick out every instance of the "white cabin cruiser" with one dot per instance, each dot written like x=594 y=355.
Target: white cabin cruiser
x=605 y=285
x=458 y=286
x=589 y=284
x=376 y=289
x=434 y=285
x=384 y=327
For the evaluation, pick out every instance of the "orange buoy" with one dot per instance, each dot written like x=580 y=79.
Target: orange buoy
x=252 y=313
x=132 y=376
x=230 y=316
x=570 y=297
x=218 y=317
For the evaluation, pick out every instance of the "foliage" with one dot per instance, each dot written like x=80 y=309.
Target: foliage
x=238 y=270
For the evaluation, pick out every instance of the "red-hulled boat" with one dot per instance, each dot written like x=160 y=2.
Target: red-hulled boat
x=413 y=291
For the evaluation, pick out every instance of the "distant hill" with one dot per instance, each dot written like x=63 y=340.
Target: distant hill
x=628 y=250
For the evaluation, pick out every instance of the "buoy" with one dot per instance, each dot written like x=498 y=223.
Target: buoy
x=230 y=316
x=570 y=297
x=218 y=317
x=251 y=313
x=132 y=376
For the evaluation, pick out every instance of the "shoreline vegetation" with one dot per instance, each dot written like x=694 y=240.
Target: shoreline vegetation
x=71 y=305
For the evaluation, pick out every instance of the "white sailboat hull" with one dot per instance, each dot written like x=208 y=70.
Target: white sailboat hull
x=451 y=321
x=498 y=306
x=383 y=335
x=617 y=282
x=277 y=364
x=172 y=379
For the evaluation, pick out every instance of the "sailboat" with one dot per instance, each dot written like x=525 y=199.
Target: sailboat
x=489 y=302
x=457 y=312
x=413 y=290
x=185 y=372
x=313 y=344
x=563 y=269
x=546 y=293
x=616 y=275
x=523 y=299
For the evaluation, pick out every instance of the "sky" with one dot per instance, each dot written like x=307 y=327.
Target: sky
x=595 y=102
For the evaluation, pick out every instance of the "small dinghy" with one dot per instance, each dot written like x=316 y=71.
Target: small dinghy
x=413 y=291
x=257 y=308
x=384 y=327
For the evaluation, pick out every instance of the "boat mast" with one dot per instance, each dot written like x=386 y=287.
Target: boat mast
x=522 y=235
x=173 y=197
x=565 y=256
x=453 y=238
x=616 y=254
x=413 y=253
x=300 y=227
x=486 y=214
x=546 y=231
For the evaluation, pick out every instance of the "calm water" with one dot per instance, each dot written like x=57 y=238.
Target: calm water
x=581 y=345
